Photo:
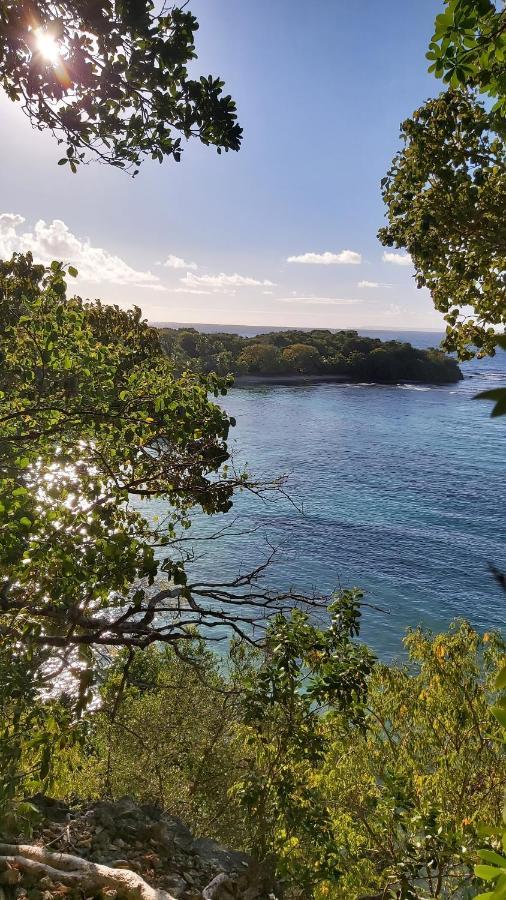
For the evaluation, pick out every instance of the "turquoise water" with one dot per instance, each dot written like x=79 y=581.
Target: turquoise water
x=403 y=495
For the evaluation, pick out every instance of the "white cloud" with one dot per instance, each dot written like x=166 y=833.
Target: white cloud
x=397 y=259
x=220 y=281
x=54 y=240
x=188 y=290
x=319 y=301
x=368 y=284
x=394 y=310
x=176 y=262
x=345 y=257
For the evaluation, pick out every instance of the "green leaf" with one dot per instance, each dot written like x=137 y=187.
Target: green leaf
x=500 y=682
x=500 y=714
x=73 y=271
x=499 y=396
x=487 y=873
x=490 y=856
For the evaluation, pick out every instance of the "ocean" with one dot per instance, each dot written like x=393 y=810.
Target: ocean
x=398 y=490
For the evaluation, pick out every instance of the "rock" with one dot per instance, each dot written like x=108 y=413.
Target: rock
x=221 y=888
x=181 y=835
x=125 y=806
x=160 y=847
x=104 y=816
x=52 y=809
x=228 y=860
x=176 y=886
x=150 y=811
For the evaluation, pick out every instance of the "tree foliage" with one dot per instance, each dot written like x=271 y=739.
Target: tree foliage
x=93 y=422
x=412 y=791
x=164 y=736
x=446 y=189
x=306 y=670
x=469 y=47
x=110 y=79
x=446 y=194
x=347 y=778
x=317 y=352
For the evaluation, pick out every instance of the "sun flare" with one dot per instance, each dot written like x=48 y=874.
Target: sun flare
x=48 y=47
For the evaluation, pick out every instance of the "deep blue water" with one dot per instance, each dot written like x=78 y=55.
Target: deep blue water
x=403 y=490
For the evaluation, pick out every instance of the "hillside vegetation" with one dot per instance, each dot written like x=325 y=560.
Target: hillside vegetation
x=341 y=354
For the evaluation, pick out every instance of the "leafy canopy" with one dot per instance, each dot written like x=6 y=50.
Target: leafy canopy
x=445 y=195
x=109 y=78
x=91 y=417
x=469 y=47
x=446 y=189
x=93 y=422
x=320 y=351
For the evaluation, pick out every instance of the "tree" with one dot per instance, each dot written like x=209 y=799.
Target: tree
x=446 y=190
x=306 y=670
x=411 y=791
x=109 y=79
x=302 y=358
x=166 y=738
x=446 y=194
x=92 y=423
x=263 y=359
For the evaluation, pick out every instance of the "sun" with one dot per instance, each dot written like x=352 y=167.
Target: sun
x=48 y=47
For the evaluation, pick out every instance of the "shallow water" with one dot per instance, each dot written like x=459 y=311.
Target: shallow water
x=403 y=489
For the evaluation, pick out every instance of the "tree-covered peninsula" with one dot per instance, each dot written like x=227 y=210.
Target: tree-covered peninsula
x=342 y=355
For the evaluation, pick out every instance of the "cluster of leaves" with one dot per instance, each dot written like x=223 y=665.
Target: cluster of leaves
x=318 y=352
x=34 y=733
x=446 y=194
x=446 y=190
x=306 y=670
x=493 y=865
x=469 y=47
x=115 y=84
x=412 y=791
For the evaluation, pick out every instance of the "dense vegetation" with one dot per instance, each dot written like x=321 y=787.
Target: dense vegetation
x=344 y=354
x=388 y=797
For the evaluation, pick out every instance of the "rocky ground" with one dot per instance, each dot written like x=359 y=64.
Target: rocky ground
x=123 y=835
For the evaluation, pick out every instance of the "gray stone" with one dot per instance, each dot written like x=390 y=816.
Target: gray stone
x=228 y=860
x=181 y=835
x=221 y=888
x=177 y=886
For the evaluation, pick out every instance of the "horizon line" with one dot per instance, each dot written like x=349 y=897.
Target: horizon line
x=159 y=323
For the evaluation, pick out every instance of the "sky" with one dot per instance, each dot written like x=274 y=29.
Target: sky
x=282 y=233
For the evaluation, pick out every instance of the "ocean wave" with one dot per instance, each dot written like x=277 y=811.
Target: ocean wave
x=413 y=387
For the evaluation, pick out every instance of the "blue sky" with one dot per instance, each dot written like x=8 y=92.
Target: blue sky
x=321 y=89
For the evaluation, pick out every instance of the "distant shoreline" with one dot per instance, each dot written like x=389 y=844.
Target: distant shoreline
x=245 y=380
